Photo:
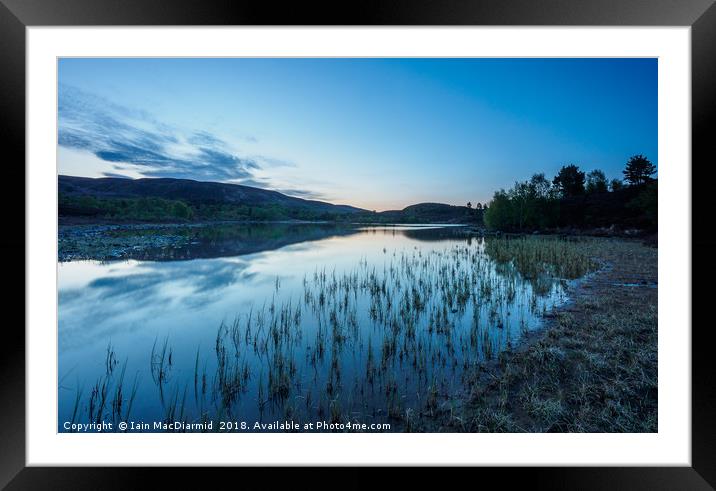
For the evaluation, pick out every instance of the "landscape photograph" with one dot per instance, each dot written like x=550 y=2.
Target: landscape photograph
x=380 y=245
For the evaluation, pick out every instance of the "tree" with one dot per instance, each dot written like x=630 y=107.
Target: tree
x=520 y=196
x=539 y=186
x=528 y=205
x=569 y=181
x=181 y=210
x=499 y=214
x=647 y=203
x=542 y=203
x=638 y=170
x=616 y=185
x=596 y=182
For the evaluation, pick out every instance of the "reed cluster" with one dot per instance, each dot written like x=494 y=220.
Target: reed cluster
x=385 y=340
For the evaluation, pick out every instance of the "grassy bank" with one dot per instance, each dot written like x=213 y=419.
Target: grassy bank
x=592 y=369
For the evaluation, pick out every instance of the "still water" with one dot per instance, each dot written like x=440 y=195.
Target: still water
x=300 y=322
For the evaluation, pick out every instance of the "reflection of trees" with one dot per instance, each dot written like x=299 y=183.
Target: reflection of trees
x=436 y=234
x=234 y=240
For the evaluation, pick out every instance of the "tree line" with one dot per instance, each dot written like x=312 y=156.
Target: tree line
x=577 y=198
x=160 y=209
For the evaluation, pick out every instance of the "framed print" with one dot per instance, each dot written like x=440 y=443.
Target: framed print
x=454 y=235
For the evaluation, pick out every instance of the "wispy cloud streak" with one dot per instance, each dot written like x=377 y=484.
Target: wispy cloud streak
x=128 y=137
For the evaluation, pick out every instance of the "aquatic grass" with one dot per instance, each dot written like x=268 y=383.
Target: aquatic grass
x=76 y=407
x=595 y=367
x=132 y=396
x=374 y=340
x=118 y=399
x=98 y=400
x=111 y=360
x=534 y=256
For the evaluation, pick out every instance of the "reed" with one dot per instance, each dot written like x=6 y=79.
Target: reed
x=364 y=341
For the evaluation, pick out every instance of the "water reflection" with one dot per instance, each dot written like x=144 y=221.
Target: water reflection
x=362 y=323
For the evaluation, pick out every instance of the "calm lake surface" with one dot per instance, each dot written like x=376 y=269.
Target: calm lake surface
x=307 y=322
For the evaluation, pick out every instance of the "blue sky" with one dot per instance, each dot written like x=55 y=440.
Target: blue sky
x=375 y=133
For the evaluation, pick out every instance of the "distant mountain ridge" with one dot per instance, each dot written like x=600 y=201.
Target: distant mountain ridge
x=105 y=198
x=429 y=212
x=190 y=191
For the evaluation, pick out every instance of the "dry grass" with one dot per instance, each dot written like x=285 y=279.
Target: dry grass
x=593 y=369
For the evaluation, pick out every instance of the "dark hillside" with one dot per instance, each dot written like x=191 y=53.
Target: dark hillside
x=425 y=213
x=162 y=200
x=190 y=192
x=186 y=200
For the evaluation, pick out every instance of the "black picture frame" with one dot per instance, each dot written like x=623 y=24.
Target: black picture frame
x=700 y=15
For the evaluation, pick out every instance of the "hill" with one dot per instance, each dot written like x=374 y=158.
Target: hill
x=426 y=213
x=165 y=198
x=189 y=191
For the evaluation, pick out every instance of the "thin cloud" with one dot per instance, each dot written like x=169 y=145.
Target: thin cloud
x=297 y=193
x=119 y=134
x=114 y=174
x=274 y=162
x=303 y=193
x=255 y=182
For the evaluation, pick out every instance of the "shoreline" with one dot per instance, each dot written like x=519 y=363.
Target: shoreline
x=570 y=375
x=65 y=222
x=121 y=240
x=115 y=240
